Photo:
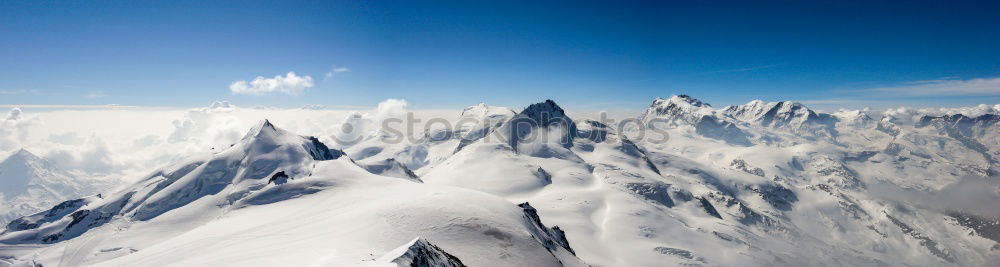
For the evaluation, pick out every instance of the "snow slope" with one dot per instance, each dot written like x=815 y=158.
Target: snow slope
x=285 y=196
x=760 y=184
x=795 y=192
x=29 y=184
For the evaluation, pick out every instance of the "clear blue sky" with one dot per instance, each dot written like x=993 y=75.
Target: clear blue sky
x=450 y=54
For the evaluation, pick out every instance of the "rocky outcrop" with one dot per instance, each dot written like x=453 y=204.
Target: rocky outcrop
x=421 y=253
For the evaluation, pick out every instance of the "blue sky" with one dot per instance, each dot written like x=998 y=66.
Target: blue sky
x=450 y=54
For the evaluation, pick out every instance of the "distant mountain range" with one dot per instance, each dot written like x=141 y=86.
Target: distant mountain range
x=758 y=184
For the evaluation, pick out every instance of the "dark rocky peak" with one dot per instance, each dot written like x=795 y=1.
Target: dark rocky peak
x=320 y=151
x=690 y=100
x=544 y=111
x=552 y=238
x=545 y=115
x=421 y=253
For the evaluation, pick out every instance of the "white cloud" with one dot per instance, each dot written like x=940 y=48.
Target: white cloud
x=221 y=106
x=15 y=128
x=336 y=70
x=14 y=114
x=93 y=157
x=290 y=84
x=209 y=126
x=945 y=87
x=357 y=126
x=391 y=108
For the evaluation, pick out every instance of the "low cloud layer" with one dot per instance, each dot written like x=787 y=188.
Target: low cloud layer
x=129 y=144
x=289 y=84
x=971 y=195
x=945 y=87
x=125 y=143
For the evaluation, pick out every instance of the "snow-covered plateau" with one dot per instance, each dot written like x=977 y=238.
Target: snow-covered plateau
x=688 y=184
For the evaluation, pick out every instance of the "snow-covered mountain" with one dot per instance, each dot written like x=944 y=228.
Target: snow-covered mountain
x=288 y=197
x=759 y=184
x=678 y=109
x=30 y=184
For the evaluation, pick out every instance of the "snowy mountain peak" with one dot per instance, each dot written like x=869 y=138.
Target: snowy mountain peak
x=221 y=105
x=17 y=172
x=263 y=129
x=678 y=109
x=788 y=113
x=858 y=118
x=21 y=169
x=483 y=111
x=478 y=109
x=24 y=153
x=545 y=116
x=746 y=112
x=29 y=183
x=421 y=253
x=23 y=156
x=677 y=99
x=774 y=114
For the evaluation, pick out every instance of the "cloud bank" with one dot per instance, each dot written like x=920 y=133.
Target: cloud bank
x=289 y=84
x=945 y=87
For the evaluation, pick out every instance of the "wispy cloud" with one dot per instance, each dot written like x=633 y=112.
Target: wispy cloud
x=753 y=68
x=335 y=71
x=108 y=106
x=944 y=87
x=20 y=92
x=289 y=84
x=95 y=95
x=827 y=101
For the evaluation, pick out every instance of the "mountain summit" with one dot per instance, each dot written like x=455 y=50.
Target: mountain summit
x=539 y=123
x=29 y=184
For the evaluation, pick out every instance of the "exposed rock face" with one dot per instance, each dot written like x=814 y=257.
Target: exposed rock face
x=392 y=168
x=552 y=238
x=705 y=204
x=421 y=253
x=250 y=164
x=55 y=213
x=538 y=123
x=476 y=122
x=980 y=225
x=972 y=132
x=656 y=192
x=961 y=125
x=932 y=246
x=742 y=165
x=319 y=151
